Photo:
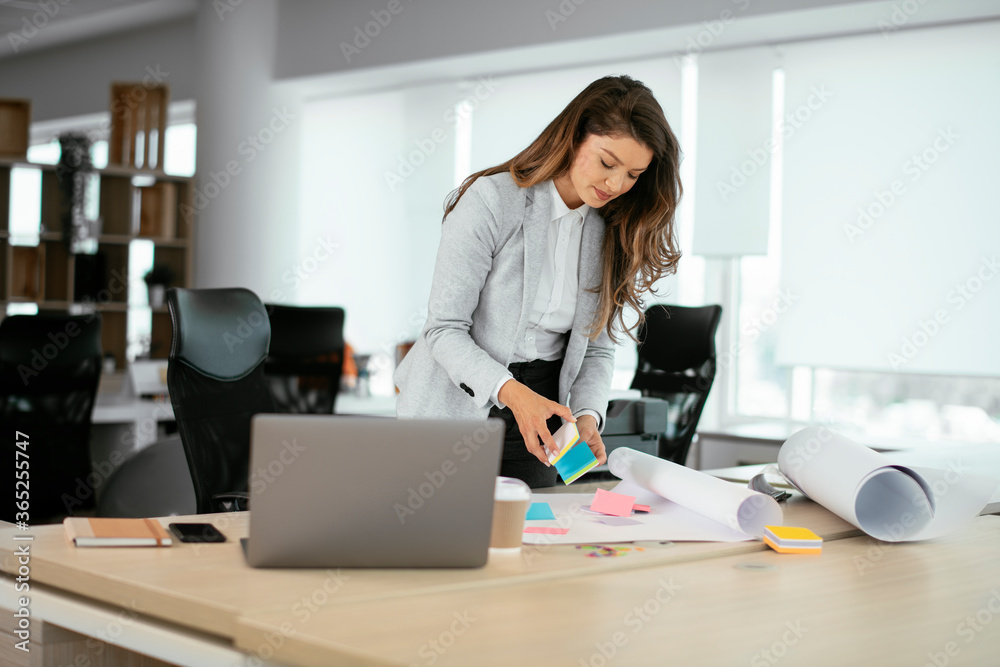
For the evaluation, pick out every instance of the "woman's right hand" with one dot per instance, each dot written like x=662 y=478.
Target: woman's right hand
x=531 y=411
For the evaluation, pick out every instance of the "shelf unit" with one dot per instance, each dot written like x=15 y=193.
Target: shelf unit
x=134 y=204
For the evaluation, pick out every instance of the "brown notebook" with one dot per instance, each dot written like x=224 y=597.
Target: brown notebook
x=85 y=532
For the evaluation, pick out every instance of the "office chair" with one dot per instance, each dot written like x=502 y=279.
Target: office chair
x=154 y=482
x=50 y=366
x=677 y=364
x=306 y=358
x=215 y=374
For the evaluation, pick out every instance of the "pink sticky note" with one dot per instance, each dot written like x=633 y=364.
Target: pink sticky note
x=546 y=530
x=641 y=508
x=609 y=502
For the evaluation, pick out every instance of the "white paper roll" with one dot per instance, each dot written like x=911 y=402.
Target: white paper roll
x=732 y=505
x=890 y=502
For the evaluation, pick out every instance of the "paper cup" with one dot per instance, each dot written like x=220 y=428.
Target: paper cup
x=510 y=505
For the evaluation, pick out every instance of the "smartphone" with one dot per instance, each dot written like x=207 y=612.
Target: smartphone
x=196 y=532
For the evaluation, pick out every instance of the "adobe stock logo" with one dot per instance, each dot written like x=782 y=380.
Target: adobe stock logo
x=926 y=330
x=372 y=29
x=915 y=166
x=759 y=157
x=50 y=350
x=422 y=492
x=427 y=145
x=216 y=182
x=47 y=10
x=780 y=647
x=244 y=329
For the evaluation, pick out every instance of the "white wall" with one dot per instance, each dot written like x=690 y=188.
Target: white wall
x=76 y=79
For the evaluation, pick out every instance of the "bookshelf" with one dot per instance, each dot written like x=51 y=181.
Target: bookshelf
x=134 y=205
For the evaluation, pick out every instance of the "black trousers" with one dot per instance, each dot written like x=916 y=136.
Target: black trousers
x=542 y=377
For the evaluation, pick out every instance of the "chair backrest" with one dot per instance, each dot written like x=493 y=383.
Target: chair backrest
x=306 y=358
x=154 y=482
x=50 y=366
x=677 y=364
x=215 y=374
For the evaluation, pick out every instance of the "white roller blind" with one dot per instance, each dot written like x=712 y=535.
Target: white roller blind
x=891 y=231
x=521 y=106
x=735 y=149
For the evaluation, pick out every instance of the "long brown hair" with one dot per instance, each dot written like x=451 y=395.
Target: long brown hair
x=640 y=244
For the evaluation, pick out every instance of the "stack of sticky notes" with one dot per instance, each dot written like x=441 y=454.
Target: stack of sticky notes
x=792 y=540
x=574 y=457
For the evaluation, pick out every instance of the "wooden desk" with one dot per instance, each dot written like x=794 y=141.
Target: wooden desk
x=208 y=586
x=859 y=603
x=205 y=591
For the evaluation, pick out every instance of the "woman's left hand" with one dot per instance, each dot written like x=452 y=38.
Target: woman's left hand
x=587 y=426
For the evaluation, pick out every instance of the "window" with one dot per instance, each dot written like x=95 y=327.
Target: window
x=930 y=406
x=762 y=388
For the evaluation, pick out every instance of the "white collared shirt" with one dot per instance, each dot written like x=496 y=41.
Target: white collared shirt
x=552 y=313
x=554 y=308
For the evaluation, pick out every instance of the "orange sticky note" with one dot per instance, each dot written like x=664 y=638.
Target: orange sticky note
x=615 y=504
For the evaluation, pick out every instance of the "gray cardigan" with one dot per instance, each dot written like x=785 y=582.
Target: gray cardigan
x=485 y=280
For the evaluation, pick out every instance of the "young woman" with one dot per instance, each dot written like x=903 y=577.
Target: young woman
x=539 y=257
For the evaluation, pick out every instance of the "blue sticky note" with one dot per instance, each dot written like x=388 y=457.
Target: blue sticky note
x=575 y=462
x=539 y=512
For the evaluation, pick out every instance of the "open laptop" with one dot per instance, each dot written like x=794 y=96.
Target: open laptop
x=329 y=491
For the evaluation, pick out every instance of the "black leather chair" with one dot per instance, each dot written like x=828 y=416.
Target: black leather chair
x=50 y=366
x=306 y=358
x=677 y=364
x=215 y=374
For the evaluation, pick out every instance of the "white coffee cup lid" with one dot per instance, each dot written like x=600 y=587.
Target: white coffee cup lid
x=510 y=488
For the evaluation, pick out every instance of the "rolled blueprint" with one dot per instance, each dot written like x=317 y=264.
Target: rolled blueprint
x=890 y=502
x=732 y=505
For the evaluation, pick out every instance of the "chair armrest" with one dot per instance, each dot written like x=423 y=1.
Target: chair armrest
x=231 y=502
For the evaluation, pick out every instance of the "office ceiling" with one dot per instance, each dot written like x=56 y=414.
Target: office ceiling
x=52 y=23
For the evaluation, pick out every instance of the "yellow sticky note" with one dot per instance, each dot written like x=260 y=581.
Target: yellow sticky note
x=792 y=540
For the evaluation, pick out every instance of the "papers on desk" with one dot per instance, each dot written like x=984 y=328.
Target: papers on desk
x=890 y=502
x=684 y=505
